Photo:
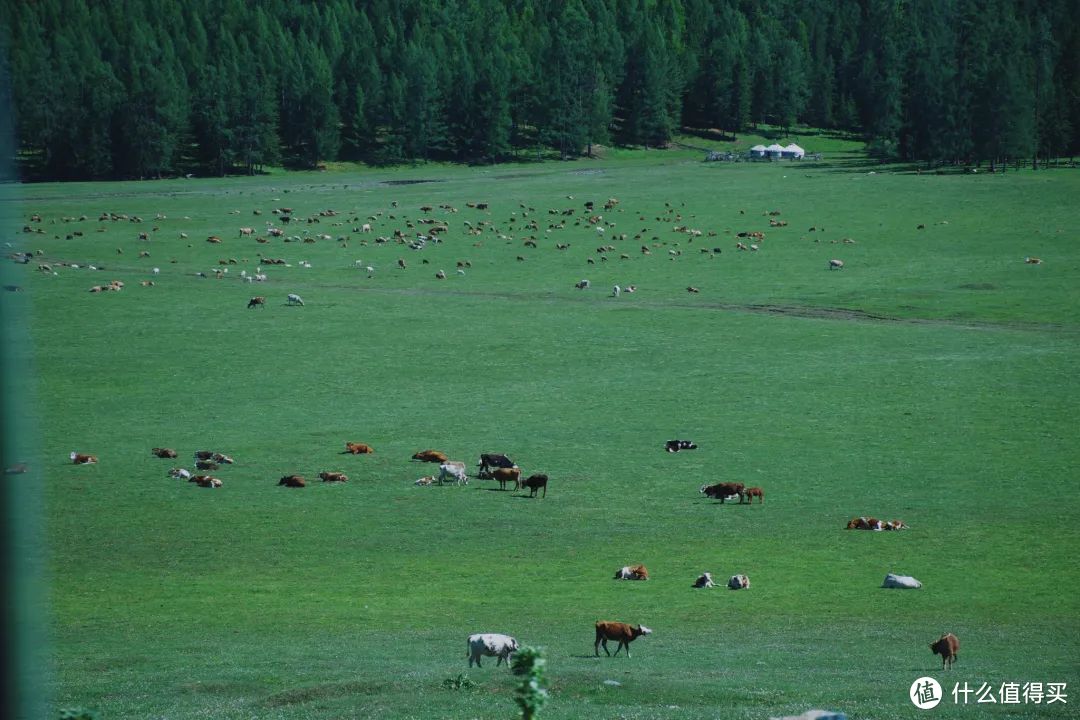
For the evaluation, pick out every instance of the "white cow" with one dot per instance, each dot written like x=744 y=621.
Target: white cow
x=455 y=470
x=491 y=645
x=295 y=299
x=180 y=474
x=903 y=582
x=705 y=581
x=615 y=291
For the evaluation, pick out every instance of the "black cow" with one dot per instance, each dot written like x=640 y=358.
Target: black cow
x=677 y=445
x=534 y=483
x=494 y=460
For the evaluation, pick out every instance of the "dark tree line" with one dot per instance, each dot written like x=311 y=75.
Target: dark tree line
x=144 y=88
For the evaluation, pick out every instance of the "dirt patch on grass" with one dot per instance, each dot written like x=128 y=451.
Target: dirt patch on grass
x=409 y=182
x=299 y=696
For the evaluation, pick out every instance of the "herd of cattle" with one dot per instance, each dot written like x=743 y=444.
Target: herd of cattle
x=492 y=466
x=500 y=468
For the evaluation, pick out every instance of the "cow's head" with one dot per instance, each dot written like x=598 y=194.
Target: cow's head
x=642 y=630
x=514 y=647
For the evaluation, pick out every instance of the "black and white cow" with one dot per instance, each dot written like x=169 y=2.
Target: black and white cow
x=494 y=460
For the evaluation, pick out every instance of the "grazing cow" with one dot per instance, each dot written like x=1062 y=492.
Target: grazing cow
x=257 y=302
x=294 y=299
x=755 y=492
x=692 y=289
x=430 y=456
x=206 y=465
x=621 y=632
x=947 y=646
x=206 y=481
x=246 y=231
x=901 y=582
x=494 y=460
x=164 y=452
x=673 y=446
x=582 y=284
x=704 y=581
x=80 y=459
x=534 y=483
x=333 y=477
x=491 y=645
x=426 y=480
x=354 y=448
x=179 y=473
x=1033 y=260
x=292 y=481
x=454 y=469
x=631 y=572
x=505 y=475
x=722 y=491
x=835 y=264
x=738 y=582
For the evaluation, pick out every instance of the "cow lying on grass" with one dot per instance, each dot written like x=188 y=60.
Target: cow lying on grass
x=631 y=572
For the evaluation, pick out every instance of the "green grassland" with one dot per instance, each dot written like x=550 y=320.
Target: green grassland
x=933 y=379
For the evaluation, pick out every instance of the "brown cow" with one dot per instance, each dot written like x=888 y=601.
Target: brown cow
x=722 y=491
x=431 y=456
x=257 y=301
x=947 y=646
x=353 y=448
x=619 y=631
x=755 y=492
x=80 y=459
x=164 y=452
x=534 y=483
x=206 y=465
x=206 y=481
x=333 y=477
x=293 y=481
x=632 y=572
x=505 y=475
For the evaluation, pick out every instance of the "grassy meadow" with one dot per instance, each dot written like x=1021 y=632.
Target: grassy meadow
x=933 y=379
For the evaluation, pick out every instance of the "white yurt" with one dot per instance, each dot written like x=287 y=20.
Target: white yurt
x=774 y=151
x=794 y=152
x=757 y=151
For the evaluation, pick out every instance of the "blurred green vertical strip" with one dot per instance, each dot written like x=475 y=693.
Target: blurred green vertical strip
x=23 y=550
